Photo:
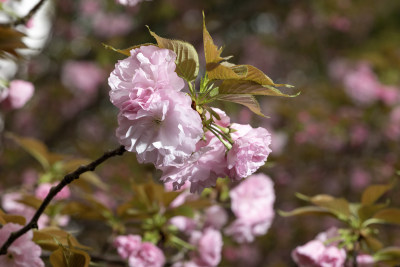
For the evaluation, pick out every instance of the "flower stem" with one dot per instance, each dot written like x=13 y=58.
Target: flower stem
x=33 y=223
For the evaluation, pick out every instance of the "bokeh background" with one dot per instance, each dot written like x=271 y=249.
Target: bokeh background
x=338 y=136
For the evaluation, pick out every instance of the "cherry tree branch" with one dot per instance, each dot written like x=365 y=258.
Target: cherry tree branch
x=24 y=19
x=56 y=189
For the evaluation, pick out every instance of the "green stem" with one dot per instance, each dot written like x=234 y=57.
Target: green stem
x=226 y=144
x=226 y=136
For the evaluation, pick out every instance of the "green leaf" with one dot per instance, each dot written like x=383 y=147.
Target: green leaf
x=211 y=51
x=374 y=192
x=126 y=51
x=51 y=237
x=390 y=215
x=66 y=257
x=366 y=212
x=308 y=210
x=31 y=201
x=388 y=253
x=249 y=87
x=338 y=206
x=187 y=60
x=245 y=100
x=373 y=243
x=9 y=218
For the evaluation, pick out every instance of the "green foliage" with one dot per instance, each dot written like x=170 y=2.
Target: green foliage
x=359 y=218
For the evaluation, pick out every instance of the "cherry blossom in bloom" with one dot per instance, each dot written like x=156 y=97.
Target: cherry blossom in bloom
x=209 y=247
x=165 y=133
x=43 y=189
x=319 y=254
x=365 y=260
x=184 y=224
x=203 y=167
x=215 y=217
x=127 y=245
x=22 y=252
x=362 y=85
x=18 y=93
x=252 y=203
x=148 y=256
x=249 y=152
x=308 y=254
x=10 y=204
x=136 y=78
x=85 y=76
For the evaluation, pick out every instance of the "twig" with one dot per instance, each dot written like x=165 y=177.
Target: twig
x=53 y=192
x=24 y=19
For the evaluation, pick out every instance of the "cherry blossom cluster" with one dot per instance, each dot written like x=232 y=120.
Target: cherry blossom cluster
x=324 y=251
x=23 y=252
x=162 y=125
x=138 y=253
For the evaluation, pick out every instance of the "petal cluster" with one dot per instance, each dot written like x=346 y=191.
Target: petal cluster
x=138 y=253
x=22 y=252
x=252 y=203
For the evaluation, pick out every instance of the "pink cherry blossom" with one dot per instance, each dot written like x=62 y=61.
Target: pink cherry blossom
x=365 y=260
x=389 y=95
x=10 y=204
x=184 y=224
x=209 y=247
x=165 y=133
x=361 y=84
x=146 y=71
x=148 y=256
x=203 y=167
x=111 y=24
x=215 y=217
x=127 y=245
x=43 y=189
x=252 y=203
x=332 y=257
x=309 y=254
x=84 y=76
x=22 y=252
x=18 y=93
x=249 y=152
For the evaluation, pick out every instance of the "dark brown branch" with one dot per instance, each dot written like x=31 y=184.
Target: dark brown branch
x=24 y=19
x=56 y=189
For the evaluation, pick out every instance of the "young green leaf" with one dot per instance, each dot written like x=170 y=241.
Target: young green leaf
x=374 y=192
x=243 y=99
x=187 y=60
x=249 y=87
x=338 y=206
x=390 y=215
x=308 y=210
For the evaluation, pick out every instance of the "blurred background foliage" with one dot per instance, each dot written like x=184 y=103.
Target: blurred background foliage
x=324 y=141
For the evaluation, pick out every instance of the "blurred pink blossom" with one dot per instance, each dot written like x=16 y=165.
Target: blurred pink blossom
x=127 y=245
x=43 y=189
x=321 y=252
x=252 y=203
x=209 y=247
x=148 y=255
x=18 y=93
x=245 y=255
x=249 y=151
x=359 y=178
x=389 y=95
x=90 y=7
x=392 y=129
x=365 y=260
x=108 y=25
x=184 y=224
x=10 y=204
x=22 y=252
x=340 y=23
x=215 y=217
x=85 y=76
x=358 y=134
